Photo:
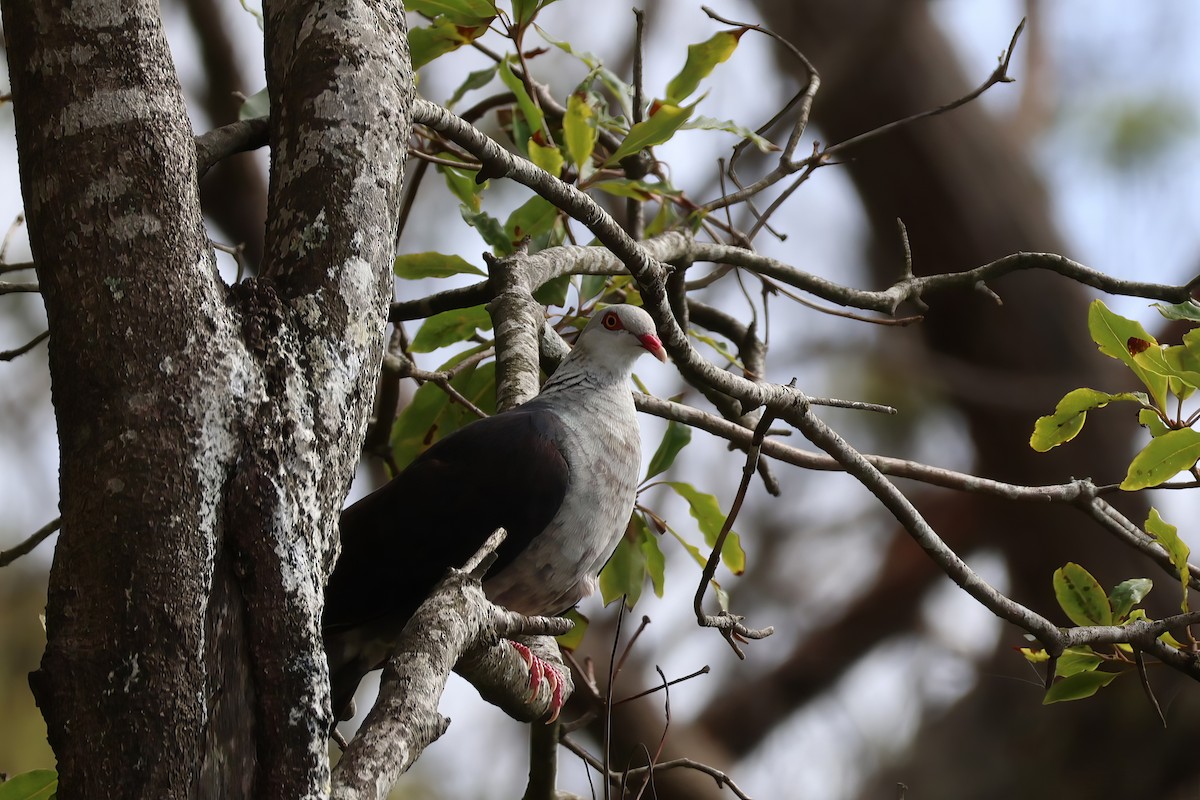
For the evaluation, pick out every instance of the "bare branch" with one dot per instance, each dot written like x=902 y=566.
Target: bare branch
x=728 y=624
x=17 y=288
x=27 y=546
x=9 y=355
x=615 y=778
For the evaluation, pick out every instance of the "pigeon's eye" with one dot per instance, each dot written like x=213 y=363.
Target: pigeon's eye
x=611 y=321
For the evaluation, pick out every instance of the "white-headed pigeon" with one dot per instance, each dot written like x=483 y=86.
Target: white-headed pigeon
x=558 y=473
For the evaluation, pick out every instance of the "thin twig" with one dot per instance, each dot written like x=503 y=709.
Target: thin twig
x=730 y=625
x=1144 y=677
x=702 y=671
x=27 y=546
x=9 y=355
x=721 y=778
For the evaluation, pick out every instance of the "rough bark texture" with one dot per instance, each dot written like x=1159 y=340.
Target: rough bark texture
x=106 y=169
x=207 y=436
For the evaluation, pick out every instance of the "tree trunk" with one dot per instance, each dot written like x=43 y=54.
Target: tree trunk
x=207 y=435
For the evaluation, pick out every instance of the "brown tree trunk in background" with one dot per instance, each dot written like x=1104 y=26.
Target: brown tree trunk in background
x=968 y=195
x=233 y=193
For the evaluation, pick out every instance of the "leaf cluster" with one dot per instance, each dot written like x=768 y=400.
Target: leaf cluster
x=1170 y=375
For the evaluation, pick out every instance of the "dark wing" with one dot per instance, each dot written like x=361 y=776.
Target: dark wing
x=397 y=543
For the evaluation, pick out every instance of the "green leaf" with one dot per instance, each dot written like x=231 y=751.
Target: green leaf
x=691 y=549
x=637 y=190
x=553 y=292
x=529 y=110
x=665 y=119
x=525 y=10
x=1188 y=310
x=448 y=327
x=461 y=183
x=1163 y=458
x=702 y=58
x=706 y=511
x=38 y=784
x=1127 y=594
x=431 y=414
x=1152 y=422
x=1080 y=596
x=656 y=562
x=574 y=637
x=1115 y=335
x=533 y=218
x=1075 y=660
x=474 y=80
x=1167 y=536
x=1182 y=366
x=256 y=105
x=1069 y=415
x=579 y=129
x=460 y=12
x=666 y=219
x=413 y=266
x=703 y=123
x=440 y=37
x=548 y=157
x=624 y=574
x=1078 y=686
x=622 y=92
x=490 y=229
x=676 y=437
x=592 y=285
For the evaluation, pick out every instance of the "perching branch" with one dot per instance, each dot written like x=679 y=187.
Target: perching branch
x=454 y=620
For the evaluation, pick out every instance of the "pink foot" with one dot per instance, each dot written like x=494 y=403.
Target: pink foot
x=541 y=670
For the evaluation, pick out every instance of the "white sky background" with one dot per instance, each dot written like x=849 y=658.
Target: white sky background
x=1135 y=221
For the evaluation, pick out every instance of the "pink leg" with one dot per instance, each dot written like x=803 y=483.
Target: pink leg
x=540 y=670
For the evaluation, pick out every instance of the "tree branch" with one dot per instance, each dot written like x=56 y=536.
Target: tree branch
x=456 y=619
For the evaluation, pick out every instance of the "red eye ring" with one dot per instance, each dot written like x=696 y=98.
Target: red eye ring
x=611 y=321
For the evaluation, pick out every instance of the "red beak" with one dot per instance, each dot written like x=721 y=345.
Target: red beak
x=654 y=345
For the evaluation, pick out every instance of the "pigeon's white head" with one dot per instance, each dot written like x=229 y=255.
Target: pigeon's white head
x=616 y=336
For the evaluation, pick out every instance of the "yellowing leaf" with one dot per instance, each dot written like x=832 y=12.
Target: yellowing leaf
x=579 y=129
x=1081 y=596
x=548 y=157
x=662 y=124
x=702 y=58
x=1034 y=656
x=1120 y=338
x=1163 y=458
x=1069 y=415
x=1167 y=536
